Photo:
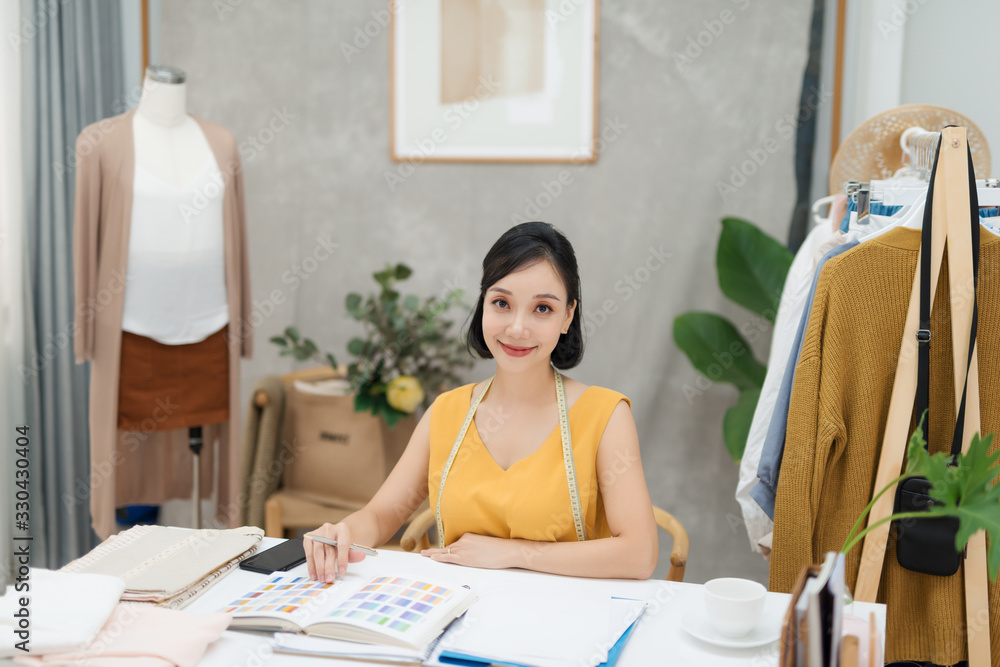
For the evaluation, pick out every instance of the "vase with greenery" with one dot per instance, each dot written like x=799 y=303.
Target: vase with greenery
x=751 y=268
x=407 y=354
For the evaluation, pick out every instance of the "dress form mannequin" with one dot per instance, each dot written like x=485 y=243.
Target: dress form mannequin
x=168 y=142
x=171 y=146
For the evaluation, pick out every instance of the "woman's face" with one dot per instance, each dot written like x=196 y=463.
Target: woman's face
x=524 y=315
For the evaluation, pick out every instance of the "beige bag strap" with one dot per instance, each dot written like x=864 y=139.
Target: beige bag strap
x=962 y=289
x=952 y=176
x=977 y=604
x=897 y=428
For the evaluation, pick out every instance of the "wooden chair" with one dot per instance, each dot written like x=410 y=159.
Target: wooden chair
x=416 y=538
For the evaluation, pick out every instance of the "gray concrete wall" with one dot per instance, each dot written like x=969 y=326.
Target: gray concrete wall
x=685 y=123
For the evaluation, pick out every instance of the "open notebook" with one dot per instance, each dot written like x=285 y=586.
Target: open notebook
x=401 y=611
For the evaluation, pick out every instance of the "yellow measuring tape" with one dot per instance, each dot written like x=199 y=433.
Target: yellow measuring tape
x=567 y=447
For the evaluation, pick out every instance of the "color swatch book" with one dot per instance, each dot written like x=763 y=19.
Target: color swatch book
x=402 y=611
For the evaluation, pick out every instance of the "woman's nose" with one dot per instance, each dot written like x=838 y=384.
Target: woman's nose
x=517 y=327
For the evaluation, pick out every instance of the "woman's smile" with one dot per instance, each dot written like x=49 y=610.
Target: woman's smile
x=515 y=351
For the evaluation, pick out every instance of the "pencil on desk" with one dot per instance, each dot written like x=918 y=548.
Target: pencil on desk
x=333 y=543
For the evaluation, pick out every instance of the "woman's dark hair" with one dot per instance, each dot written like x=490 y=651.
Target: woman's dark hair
x=519 y=247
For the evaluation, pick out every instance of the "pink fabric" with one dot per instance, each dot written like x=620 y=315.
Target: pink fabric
x=143 y=636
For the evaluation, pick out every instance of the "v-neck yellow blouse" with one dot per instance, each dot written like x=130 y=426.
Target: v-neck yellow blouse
x=530 y=499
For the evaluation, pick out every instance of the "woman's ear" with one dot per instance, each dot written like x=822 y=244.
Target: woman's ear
x=570 y=313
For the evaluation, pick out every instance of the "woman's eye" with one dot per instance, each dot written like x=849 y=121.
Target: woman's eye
x=500 y=303
x=544 y=307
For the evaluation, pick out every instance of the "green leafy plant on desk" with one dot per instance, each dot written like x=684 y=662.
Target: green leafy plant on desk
x=407 y=353
x=966 y=491
x=751 y=268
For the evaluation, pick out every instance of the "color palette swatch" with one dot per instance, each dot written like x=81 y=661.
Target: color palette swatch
x=393 y=603
x=280 y=594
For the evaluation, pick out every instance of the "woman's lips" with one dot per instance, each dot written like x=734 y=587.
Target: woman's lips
x=516 y=351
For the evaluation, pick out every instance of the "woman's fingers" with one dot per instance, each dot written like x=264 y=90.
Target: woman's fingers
x=307 y=546
x=322 y=558
x=342 y=553
x=445 y=555
x=324 y=562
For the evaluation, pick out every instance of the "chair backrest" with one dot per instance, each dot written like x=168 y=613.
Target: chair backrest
x=416 y=537
x=679 y=552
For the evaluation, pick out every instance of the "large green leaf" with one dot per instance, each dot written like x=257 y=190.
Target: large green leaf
x=403 y=272
x=362 y=402
x=353 y=302
x=736 y=423
x=717 y=350
x=752 y=267
x=967 y=490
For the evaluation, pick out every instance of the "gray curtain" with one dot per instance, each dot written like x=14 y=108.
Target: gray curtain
x=72 y=77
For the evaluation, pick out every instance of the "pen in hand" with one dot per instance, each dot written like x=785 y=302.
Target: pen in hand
x=333 y=543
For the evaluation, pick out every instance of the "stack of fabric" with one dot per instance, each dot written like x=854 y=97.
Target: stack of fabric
x=78 y=619
x=168 y=566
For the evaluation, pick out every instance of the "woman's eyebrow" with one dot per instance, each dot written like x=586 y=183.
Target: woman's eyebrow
x=537 y=296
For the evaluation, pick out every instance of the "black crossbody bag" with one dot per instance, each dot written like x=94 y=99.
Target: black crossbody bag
x=928 y=545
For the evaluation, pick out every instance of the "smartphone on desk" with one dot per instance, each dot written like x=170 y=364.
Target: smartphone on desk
x=279 y=558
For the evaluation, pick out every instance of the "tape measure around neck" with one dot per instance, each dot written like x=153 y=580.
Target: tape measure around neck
x=567 y=448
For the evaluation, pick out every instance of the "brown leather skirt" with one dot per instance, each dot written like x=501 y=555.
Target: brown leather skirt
x=164 y=387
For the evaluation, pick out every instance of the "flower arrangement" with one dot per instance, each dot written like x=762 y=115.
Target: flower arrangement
x=406 y=355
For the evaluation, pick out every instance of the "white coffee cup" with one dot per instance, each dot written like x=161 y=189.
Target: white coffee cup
x=734 y=605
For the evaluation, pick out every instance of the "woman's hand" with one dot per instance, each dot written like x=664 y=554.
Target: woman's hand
x=477 y=551
x=326 y=562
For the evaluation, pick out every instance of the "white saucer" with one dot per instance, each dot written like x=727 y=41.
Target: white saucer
x=768 y=629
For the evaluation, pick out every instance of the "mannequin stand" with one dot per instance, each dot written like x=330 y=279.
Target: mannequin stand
x=195 y=443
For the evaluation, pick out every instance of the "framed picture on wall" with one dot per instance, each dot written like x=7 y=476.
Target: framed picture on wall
x=494 y=80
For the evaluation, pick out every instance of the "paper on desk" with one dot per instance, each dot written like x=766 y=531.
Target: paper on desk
x=287 y=642
x=624 y=612
x=543 y=625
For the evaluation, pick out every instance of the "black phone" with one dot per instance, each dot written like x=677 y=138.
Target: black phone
x=279 y=558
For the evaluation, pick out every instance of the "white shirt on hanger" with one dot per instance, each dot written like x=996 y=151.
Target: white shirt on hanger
x=793 y=296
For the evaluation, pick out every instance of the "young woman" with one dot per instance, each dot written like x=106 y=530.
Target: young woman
x=511 y=496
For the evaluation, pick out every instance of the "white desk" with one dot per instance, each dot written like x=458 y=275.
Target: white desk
x=657 y=640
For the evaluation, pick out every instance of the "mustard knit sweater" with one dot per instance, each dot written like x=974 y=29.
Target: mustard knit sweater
x=839 y=404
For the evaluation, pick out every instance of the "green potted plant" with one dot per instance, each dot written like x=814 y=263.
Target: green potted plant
x=751 y=268
x=966 y=491
x=407 y=354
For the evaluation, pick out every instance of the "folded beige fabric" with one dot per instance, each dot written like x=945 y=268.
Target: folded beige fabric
x=143 y=636
x=169 y=566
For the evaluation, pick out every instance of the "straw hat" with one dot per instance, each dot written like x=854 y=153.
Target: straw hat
x=872 y=150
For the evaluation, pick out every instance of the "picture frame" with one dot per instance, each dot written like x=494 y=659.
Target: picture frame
x=493 y=80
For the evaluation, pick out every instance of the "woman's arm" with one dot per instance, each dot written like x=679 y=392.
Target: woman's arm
x=633 y=548
x=373 y=525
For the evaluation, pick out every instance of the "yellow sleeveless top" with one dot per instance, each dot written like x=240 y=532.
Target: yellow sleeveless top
x=529 y=500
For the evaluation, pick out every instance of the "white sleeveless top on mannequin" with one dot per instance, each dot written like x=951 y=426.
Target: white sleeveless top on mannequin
x=175 y=290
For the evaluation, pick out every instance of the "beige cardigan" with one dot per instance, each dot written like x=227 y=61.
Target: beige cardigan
x=146 y=466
